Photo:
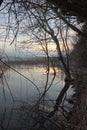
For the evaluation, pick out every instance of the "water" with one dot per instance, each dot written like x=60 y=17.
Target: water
x=21 y=88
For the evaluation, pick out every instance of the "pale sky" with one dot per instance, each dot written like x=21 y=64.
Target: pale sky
x=18 y=49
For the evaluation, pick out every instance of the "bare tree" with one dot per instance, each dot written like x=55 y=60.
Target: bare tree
x=43 y=24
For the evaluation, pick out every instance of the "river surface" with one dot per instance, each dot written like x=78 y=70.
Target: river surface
x=24 y=85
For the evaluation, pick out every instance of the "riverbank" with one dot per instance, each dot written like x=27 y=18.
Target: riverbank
x=77 y=119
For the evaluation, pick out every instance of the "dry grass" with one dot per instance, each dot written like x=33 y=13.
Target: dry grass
x=78 y=115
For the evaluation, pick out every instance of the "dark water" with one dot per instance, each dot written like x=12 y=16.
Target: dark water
x=19 y=94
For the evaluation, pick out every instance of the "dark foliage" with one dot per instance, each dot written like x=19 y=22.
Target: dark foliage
x=72 y=7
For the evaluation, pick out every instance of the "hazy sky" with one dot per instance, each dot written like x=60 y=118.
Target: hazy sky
x=17 y=48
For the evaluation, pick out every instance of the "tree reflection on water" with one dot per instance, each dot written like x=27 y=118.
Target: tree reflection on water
x=26 y=107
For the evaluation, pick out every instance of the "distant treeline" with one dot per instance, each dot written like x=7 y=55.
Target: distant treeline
x=37 y=60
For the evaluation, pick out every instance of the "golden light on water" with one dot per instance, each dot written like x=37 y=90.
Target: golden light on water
x=44 y=70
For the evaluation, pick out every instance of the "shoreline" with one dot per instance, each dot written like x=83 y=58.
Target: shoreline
x=35 y=61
